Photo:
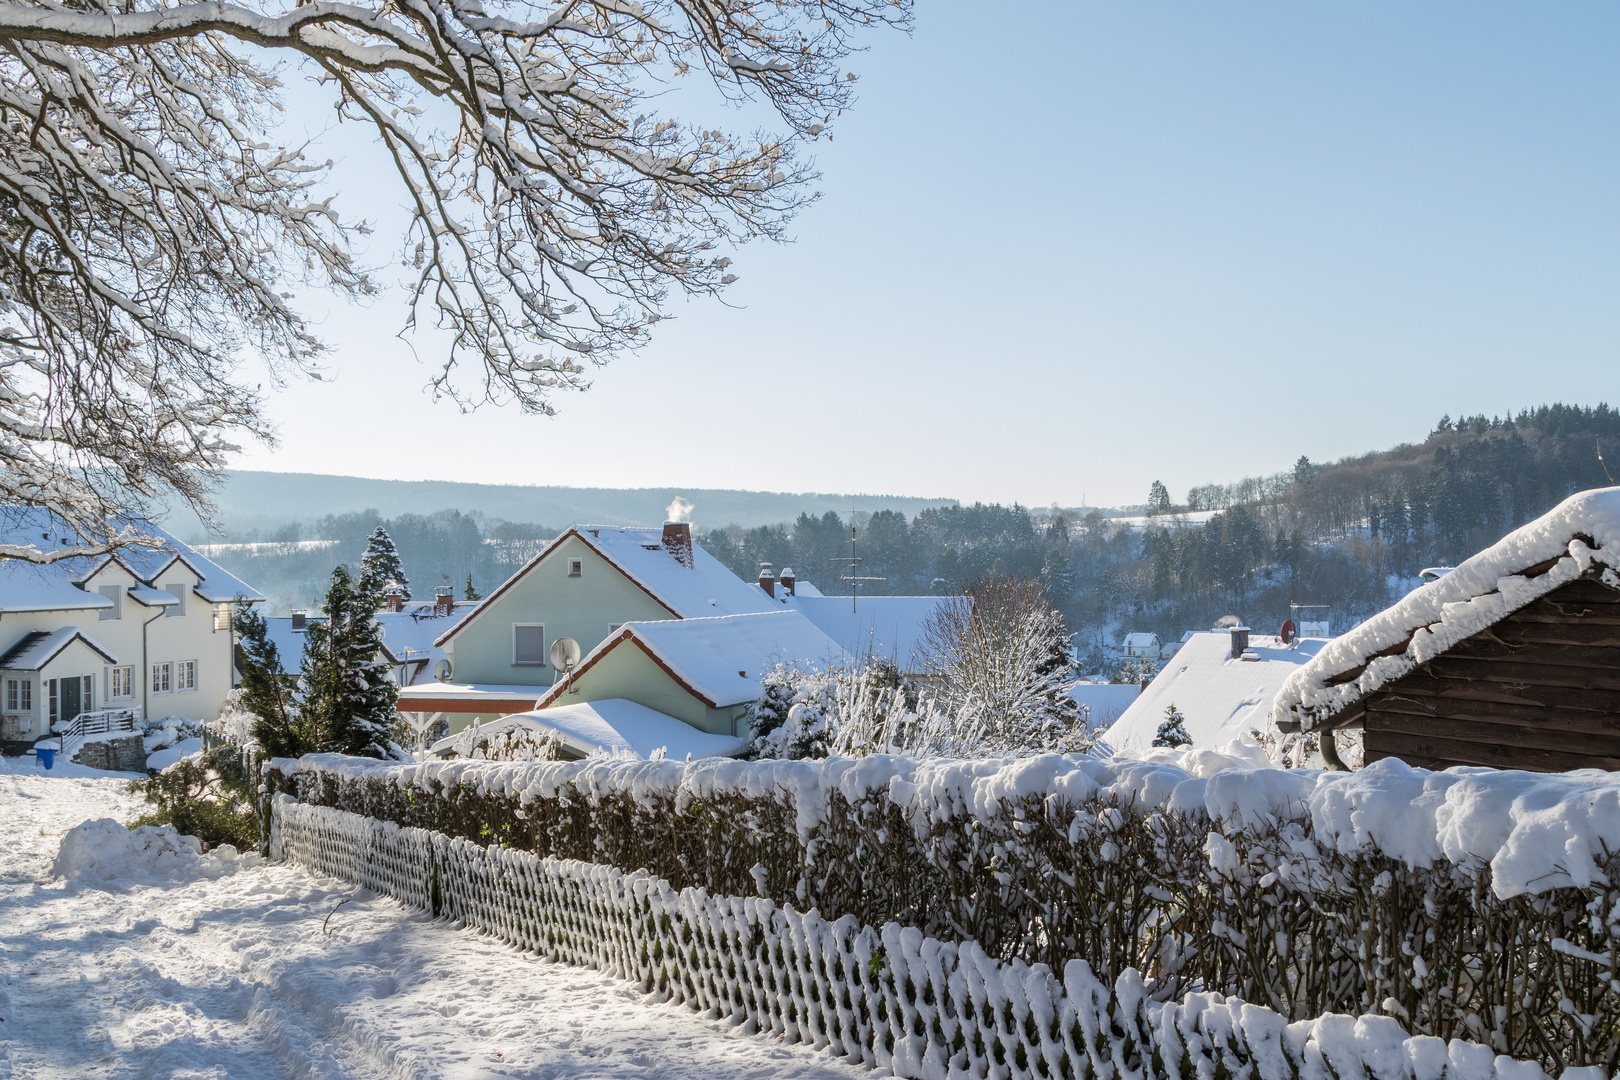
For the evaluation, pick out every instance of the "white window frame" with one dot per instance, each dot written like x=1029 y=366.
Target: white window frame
x=121 y=676
x=115 y=593
x=528 y=626
x=19 y=695
x=576 y=567
x=163 y=678
x=178 y=608
x=50 y=719
x=185 y=676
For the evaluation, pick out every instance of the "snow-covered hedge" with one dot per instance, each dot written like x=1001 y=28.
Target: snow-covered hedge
x=1469 y=903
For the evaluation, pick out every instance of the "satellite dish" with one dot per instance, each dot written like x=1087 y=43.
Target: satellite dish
x=1288 y=632
x=564 y=654
x=441 y=670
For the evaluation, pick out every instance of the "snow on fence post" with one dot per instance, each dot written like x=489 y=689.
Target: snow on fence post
x=1459 y=904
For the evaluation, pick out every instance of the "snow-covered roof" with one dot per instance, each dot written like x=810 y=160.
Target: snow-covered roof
x=1580 y=536
x=1221 y=697
x=1141 y=640
x=706 y=588
x=721 y=659
x=26 y=586
x=613 y=725
x=40 y=647
x=432 y=696
x=888 y=627
x=410 y=633
x=153 y=597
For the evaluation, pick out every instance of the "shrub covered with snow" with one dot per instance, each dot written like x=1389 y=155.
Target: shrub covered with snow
x=105 y=852
x=1474 y=903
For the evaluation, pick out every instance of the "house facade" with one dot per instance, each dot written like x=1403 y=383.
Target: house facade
x=141 y=628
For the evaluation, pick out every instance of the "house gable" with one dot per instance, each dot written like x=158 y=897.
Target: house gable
x=584 y=608
x=625 y=668
x=1538 y=690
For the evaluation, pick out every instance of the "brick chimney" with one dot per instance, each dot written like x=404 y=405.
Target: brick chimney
x=788 y=580
x=444 y=599
x=394 y=598
x=767 y=580
x=678 y=541
x=1240 y=640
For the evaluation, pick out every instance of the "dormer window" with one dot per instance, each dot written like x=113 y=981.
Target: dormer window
x=575 y=567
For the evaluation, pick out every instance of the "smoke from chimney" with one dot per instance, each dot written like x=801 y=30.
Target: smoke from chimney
x=679 y=510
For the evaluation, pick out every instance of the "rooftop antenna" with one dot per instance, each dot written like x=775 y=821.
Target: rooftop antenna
x=1606 y=471
x=854 y=564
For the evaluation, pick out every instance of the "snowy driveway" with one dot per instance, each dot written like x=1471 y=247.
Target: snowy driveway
x=233 y=977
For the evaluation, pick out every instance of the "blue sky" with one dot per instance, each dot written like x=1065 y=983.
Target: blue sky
x=1067 y=249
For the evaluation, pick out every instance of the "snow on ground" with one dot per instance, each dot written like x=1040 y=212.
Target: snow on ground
x=234 y=977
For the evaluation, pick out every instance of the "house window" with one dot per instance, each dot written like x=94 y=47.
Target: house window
x=185 y=676
x=575 y=566
x=529 y=644
x=19 y=695
x=162 y=678
x=50 y=699
x=87 y=693
x=122 y=682
x=177 y=608
x=115 y=593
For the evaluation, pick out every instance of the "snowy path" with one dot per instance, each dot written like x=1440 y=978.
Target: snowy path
x=234 y=978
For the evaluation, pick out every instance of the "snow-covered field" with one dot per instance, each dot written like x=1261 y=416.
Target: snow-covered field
x=233 y=976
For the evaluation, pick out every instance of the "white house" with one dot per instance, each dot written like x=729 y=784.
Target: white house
x=1142 y=644
x=146 y=628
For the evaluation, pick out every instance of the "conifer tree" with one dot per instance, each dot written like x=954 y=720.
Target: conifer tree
x=348 y=693
x=1173 y=732
x=382 y=561
x=1158 y=498
x=266 y=691
x=470 y=593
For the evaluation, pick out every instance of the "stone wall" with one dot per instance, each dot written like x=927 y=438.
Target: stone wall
x=127 y=754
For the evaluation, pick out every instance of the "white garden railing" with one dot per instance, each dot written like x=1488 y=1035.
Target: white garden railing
x=97 y=722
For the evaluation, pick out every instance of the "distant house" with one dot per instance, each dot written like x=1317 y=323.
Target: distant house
x=1142 y=644
x=616 y=585
x=1221 y=681
x=145 y=629
x=1510 y=660
x=704 y=673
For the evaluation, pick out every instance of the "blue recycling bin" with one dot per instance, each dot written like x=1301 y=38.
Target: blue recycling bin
x=46 y=755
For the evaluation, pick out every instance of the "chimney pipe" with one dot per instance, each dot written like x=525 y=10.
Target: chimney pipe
x=767 y=580
x=788 y=580
x=678 y=541
x=1240 y=640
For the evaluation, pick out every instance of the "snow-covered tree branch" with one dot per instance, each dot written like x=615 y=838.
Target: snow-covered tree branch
x=150 y=231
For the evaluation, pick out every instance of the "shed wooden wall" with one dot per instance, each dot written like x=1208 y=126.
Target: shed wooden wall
x=1540 y=690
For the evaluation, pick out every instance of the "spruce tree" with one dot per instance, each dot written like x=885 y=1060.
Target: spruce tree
x=1158 y=498
x=1173 y=732
x=382 y=561
x=470 y=593
x=348 y=692
x=281 y=730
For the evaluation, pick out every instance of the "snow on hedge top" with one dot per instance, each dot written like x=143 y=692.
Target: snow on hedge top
x=1535 y=831
x=1221 y=698
x=1582 y=534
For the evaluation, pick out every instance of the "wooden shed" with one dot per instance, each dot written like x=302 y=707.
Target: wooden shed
x=1512 y=660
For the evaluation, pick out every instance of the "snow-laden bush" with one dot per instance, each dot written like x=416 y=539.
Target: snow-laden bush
x=1480 y=905
x=165 y=732
x=509 y=744
x=873 y=709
